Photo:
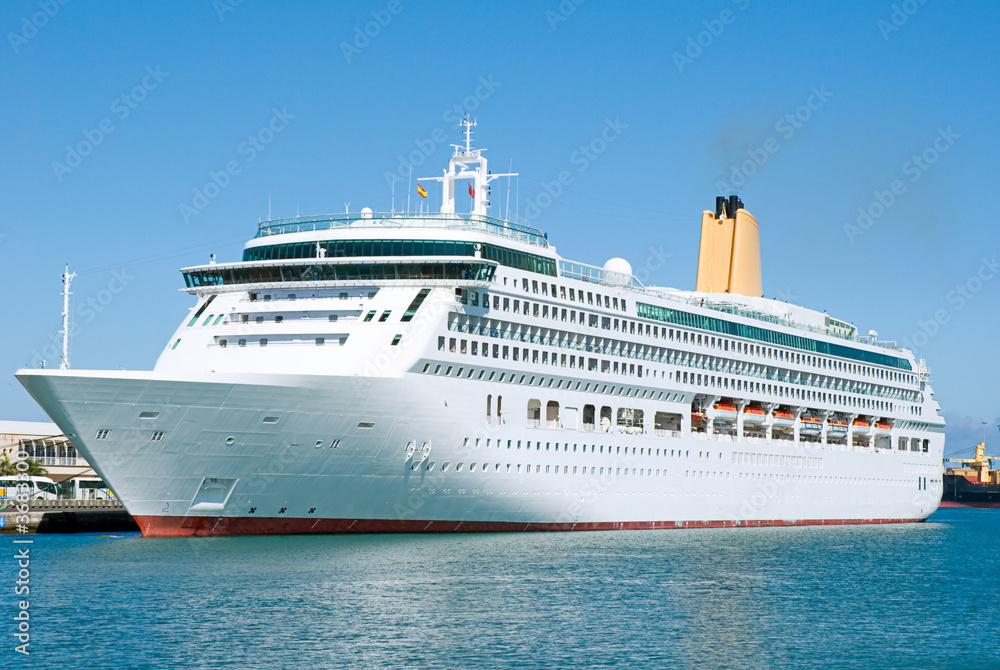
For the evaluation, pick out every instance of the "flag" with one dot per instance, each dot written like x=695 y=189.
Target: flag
x=472 y=191
x=421 y=191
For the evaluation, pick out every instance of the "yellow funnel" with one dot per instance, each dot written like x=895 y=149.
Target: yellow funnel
x=729 y=254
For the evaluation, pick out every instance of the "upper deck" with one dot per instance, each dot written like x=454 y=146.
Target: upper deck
x=339 y=247
x=397 y=220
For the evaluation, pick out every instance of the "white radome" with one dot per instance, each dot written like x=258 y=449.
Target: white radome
x=618 y=271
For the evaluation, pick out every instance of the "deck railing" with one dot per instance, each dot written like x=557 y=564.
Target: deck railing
x=458 y=221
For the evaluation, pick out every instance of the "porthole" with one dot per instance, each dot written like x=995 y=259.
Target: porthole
x=230 y=440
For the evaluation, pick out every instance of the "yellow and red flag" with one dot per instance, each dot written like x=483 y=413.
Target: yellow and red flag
x=421 y=191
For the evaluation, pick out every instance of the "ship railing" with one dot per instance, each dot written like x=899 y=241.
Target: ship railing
x=595 y=275
x=757 y=315
x=456 y=221
x=534 y=423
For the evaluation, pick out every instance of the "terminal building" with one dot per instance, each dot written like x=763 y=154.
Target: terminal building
x=68 y=474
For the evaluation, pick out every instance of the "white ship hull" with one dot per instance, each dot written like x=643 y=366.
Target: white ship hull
x=450 y=371
x=220 y=469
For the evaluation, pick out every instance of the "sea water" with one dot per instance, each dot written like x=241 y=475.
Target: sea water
x=923 y=595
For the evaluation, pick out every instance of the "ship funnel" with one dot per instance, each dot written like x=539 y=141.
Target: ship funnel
x=729 y=254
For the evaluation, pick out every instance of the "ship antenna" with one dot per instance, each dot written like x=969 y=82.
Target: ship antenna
x=409 y=185
x=66 y=279
x=468 y=134
x=507 y=214
x=517 y=200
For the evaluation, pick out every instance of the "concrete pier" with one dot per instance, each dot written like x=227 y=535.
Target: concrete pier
x=68 y=516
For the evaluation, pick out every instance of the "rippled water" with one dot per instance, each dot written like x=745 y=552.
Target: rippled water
x=900 y=596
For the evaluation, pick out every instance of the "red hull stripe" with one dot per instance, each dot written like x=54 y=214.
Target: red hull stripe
x=182 y=526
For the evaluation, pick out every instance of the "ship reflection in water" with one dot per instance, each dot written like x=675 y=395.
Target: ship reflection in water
x=817 y=597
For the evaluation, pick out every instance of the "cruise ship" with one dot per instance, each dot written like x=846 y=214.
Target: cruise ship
x=449 y=371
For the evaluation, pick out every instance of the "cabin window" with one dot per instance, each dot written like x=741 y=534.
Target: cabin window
x=534 y=412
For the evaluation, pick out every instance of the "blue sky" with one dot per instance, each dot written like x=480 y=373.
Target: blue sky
x=816 y=114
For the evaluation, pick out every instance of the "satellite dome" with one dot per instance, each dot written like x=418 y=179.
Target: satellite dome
x=366 y=213
x=617 y=272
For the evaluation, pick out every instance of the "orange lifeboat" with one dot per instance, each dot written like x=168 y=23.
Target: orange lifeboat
x=754 y=414
x=837 y=425
x=811 y=425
